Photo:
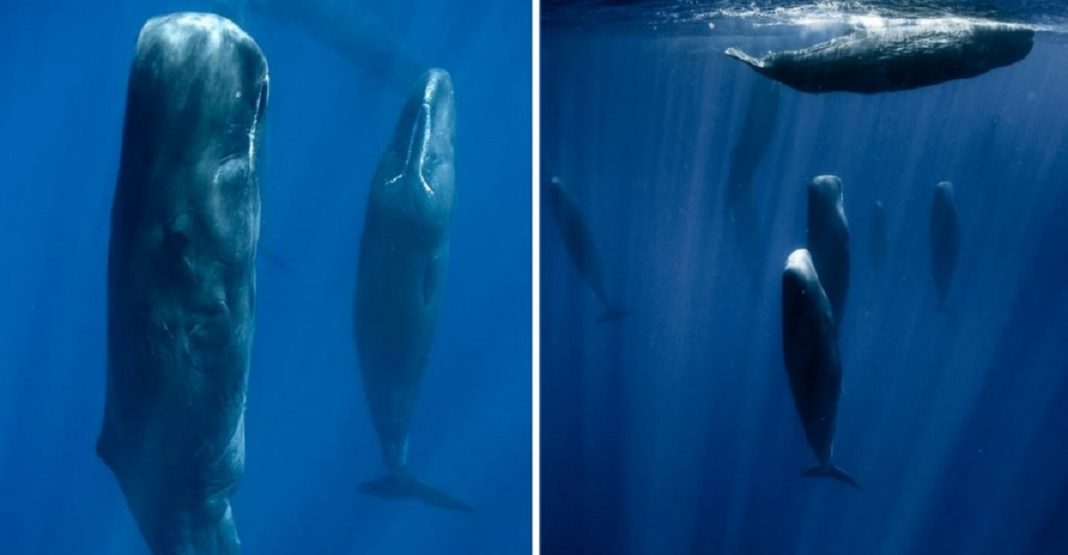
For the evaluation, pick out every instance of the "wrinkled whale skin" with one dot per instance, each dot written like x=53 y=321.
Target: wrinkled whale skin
x=896 y=58
x=181 y=282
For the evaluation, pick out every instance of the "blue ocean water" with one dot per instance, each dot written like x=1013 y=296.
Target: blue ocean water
x=673 y=430
x=309 y=438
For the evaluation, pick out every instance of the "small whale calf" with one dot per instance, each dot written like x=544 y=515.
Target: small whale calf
x=404 y=250
x=945 y=240
x=185 y=223
x=813 y=366
x=896 y=57
x=578 y=240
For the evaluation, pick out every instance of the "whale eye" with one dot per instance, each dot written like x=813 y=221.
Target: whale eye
x=175 y=240
x=175 y=247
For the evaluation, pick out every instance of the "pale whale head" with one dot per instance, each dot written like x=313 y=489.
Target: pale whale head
x=799 y=268
x=415 y=179
x=825 y=195
x=806 y=311
x=801 y=287
x=944 y=191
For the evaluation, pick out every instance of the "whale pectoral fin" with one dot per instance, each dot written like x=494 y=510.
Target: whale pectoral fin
x=831 y=471
x=405 y=486
x=739 y=55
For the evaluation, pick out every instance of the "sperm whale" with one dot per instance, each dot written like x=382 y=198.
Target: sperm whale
x=896 y=57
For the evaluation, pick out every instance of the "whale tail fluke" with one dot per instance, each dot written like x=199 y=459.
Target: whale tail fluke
x=402 y=485
x=831 y=471
x=611 y=314
x=739 y=55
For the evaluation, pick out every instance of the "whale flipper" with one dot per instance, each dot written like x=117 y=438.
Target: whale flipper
x=402 y=485
x=739 y=55
x=831 y=471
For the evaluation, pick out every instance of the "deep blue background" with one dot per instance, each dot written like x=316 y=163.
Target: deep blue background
x=673 y=430
x=309 y=439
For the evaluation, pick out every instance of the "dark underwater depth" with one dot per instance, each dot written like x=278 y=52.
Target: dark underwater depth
x=673 y=429
x=340 y=73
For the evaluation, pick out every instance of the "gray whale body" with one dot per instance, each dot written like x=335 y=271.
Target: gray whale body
x=945 y=240
x=404 y=249
x=181 y=282
x=813 y=365
x=896 y=58
x=827 y=238
x=578 y=240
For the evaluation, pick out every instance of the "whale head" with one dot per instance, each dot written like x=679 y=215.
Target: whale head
x=799 y=271
x=1002 y=44
x=825 y=194
x=807 y=320
x=944 y=190
x=415 y=179
x=802 y=291
x=556 y=188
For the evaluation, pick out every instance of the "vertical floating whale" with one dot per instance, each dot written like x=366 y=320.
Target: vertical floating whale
x=746 y=156
x=761 y=115
x=896 y=57
x=578 y=240
x=828 y=239
x=403 y=253
x=945 y=240
x=813 y=366
x=181 y=282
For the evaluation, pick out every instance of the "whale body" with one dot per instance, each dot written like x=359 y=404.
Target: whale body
x=828 y=240
x=897 y=57
x=404 y=249
x=181 y=281
x=761 y=117
x=579 y=243
x=945 y=240
x=813 y=365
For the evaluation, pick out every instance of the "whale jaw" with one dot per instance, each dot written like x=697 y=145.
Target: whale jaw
x=415 y=178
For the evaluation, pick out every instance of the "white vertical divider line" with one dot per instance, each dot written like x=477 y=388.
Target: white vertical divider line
x=535 y=268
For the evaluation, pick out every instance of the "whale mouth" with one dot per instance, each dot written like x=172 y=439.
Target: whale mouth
x=425 y=134
x=416 y=158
